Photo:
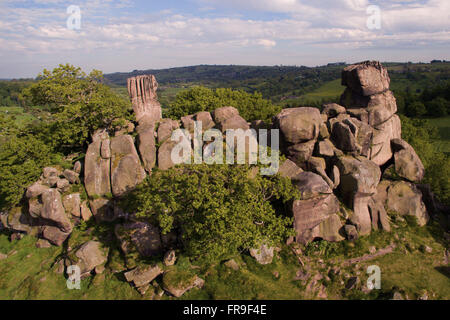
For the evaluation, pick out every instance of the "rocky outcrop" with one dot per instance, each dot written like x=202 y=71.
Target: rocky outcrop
x=142 y=91
x=88 y=256
x=126 y=169
x=407 y=164
x=298 y=125
x=309 y=214
x=404 y=198
x=139 y=238
x=366 y=78
x=97 y=165
x=142 y=276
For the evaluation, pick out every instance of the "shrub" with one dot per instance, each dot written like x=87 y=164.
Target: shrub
x=217 y=209
x=250 y=106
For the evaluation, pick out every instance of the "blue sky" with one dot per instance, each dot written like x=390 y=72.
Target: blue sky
x=124 y=35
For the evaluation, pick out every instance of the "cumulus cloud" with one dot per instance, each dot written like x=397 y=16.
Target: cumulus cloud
x=38 y=32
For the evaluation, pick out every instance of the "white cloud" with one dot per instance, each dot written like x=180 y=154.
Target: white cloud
x=40 y=35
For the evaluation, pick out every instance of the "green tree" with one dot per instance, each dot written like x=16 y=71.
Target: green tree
x=217 y=209
x=416 y=109
x=21 y=162
x=250 y=106
x=79 y=104
x=420 y=135
x=437 y=107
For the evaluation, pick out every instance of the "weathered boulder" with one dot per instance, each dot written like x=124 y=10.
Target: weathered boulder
x=325 y=148
x=63 y=185
x=178 y=282
x=204 y=117
x=48 y=172
x=308 y=214
x=323 y=132
x=96 y=168
x=405 y=198
x=381 y=151
x=72 y=176
x=233 y=123
x=359 y=180
x=311 y=185
x=90 y=255
x=85 y=211
x=53 y=211
x=126 y=169
x=36 y=189
x=139 y=236
x=72 y=204
x=378 y=215
x=103 y=210
x=359 y=113
x=329 y=229
x=77 y=167
x=34 y=207
x=332 y=109
x=342 y=137
x=147 y=145
x=300 y=153
x=165 y=129
x=350 y=232
x=144 y=99
x=379 y=107
x=55 y=235
x=361 y=217
x=298 y=125
x=407 y=163
x=165 y=155
x=224 y=113
x=141 y=276
x=17 y=219
x=263 y=255
x=358 y=176
x=289 y=169
x=366 y=78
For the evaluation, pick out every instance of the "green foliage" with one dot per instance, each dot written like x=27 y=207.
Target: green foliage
x=438 y=107
x=79 y=104
x=217 y=209
x=437 y=164
x=21 y=162
x=10 y=92
x=250 y=106
x=416 y=109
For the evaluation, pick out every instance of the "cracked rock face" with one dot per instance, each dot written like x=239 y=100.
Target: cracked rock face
x=144 y=99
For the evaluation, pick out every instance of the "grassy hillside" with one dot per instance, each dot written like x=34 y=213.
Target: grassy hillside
x=31 y=273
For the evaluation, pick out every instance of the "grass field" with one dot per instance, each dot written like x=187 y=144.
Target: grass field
x=31 y=273
x=329 y=90
x=443 y=125
x=18 y=114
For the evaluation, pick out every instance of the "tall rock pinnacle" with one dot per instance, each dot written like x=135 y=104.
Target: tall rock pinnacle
x=142 y=91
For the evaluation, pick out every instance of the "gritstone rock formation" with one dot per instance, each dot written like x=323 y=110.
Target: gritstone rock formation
x=142 y=90
x=345 y=153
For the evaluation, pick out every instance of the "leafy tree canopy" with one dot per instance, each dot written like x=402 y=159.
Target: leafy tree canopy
x=217 y=209
x=79 y=104
x=250 y=106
